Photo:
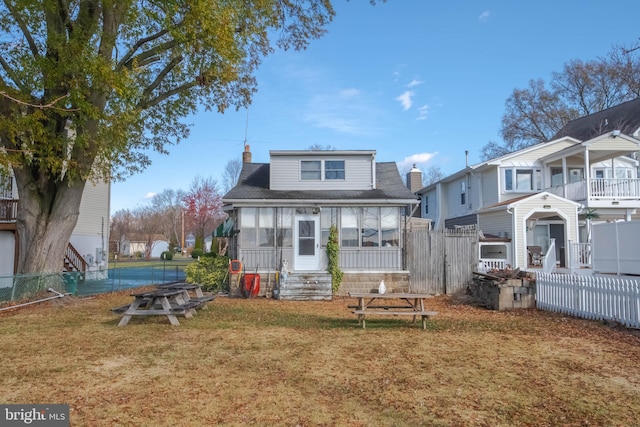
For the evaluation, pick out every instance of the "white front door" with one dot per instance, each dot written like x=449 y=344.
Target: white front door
x=307 y=243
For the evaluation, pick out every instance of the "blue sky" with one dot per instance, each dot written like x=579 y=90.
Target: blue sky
x=419 y=81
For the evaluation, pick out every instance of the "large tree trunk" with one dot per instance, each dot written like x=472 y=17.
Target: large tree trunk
x=47 y=214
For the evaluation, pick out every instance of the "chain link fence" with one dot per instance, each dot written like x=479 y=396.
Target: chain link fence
x=29 y=286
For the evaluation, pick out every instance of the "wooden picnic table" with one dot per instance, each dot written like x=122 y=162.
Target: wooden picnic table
x=191 y=292
x=391 y=304
x=160 y=302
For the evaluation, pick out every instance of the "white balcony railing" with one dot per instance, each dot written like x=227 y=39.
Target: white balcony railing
x=600 y=188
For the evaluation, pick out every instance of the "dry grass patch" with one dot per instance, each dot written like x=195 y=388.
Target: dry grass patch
x=267 y=362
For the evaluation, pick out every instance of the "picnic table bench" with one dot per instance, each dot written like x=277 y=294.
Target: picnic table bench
x=394 y=304
x=160 y=302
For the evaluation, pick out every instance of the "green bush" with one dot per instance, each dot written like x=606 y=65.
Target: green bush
x=210 y=272
x=196 y=253
x=166 y=255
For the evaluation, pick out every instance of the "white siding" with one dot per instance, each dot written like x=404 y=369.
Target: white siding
x=91 y=235
x=530 y=157
x=490 y=191
x=453 y=191
x=7 y=249
x=285 y=173
x=433 y=205
x=495 y=223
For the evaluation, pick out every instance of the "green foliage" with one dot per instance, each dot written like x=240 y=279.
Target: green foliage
x=197 y=252
x=333 y=252
x=88 y=89
x=210 y=272
x=166 y=255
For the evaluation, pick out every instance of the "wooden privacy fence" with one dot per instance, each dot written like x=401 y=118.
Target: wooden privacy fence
x=590 y=297
x=441 y=261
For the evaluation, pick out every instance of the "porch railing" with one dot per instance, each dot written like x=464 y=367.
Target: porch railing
x=488 y=264
x=579 y=255
x=8 y=210
x=600 y=188
x=549 y=260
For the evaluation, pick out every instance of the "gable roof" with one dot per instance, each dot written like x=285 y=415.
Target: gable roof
x=508 y=204
x=624 y=117
x=253 y=185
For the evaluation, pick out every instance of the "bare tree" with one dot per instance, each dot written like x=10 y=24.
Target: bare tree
x=319 y=147
x=431 y=175
x=589 y=86
x=535 y=114
x=147 y=226
x=203 y=204
x=169 y=205
x=231 y=173
x=120 y=226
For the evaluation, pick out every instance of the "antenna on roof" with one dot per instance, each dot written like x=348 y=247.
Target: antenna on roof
x=246 y=129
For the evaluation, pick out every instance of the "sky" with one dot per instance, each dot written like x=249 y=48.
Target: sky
x=419 y=81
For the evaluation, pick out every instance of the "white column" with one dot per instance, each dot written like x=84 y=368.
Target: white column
x=587 y=174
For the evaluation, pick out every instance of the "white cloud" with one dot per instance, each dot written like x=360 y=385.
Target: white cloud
x=416 y=159
x=349 y=93
x=150 y=195
x=423 y=112
x=415 y=82
x=484 y=16
x=405 y=100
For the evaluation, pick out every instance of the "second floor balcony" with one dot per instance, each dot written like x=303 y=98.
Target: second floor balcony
x=601 y=192
x=8 y=210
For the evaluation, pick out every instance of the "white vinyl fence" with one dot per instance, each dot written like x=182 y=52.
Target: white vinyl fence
x=590 y=297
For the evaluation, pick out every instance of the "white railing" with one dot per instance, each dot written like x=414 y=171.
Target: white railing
x=590 y=297
x=549 y=260
x=488 y=264
x=600 y=188
x=627 y=188
x=579 y=255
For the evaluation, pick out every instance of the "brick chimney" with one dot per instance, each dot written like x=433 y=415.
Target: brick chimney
x=246 y=155
x=414 y=179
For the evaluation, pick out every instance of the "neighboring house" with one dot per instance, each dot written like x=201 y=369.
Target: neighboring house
x=540 y=197
x=284 y=209
x=138 y=243
x=87 y=249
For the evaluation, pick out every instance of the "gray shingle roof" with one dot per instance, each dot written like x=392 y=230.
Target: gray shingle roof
x=253 y=184
x=624 y=117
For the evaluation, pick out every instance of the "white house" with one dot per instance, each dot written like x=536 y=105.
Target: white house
x=283 y=211
x=540 y=197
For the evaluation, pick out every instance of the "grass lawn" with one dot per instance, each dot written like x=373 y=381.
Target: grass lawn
x=266 y=362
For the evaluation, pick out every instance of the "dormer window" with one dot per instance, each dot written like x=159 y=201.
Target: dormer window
x=317 y=170
x=334 y=169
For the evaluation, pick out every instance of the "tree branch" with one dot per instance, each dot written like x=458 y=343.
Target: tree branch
x=151 y=52
x=23 y=28
x=11 y=74
x=170 y=66
x=138 y=45
x=145 y=104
